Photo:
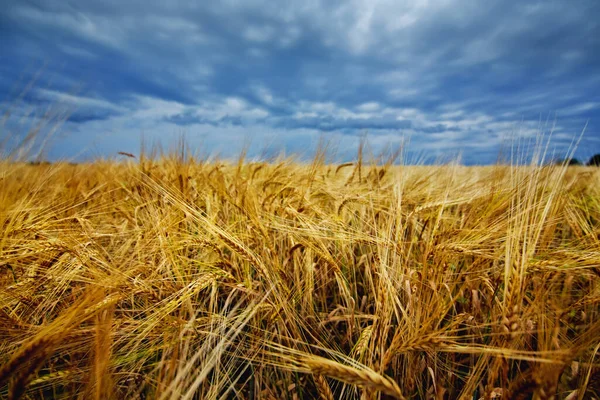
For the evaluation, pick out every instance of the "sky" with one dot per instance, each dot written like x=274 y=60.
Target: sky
x=441 y=78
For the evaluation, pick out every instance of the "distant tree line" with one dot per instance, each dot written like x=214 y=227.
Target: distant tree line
x=594 y=161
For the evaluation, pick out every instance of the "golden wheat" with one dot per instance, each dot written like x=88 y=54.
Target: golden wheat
x=177 y=277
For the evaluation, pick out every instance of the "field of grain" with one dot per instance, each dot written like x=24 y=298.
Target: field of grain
x=175 y=278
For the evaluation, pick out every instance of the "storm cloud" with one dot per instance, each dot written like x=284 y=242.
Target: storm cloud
x=455 y=76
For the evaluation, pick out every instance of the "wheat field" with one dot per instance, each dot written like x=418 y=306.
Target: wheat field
x=177 y=278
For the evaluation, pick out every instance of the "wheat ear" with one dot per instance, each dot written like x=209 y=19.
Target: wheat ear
x=323 y=388
x=353 y=376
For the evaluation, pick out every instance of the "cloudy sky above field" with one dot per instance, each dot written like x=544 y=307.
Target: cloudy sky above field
x=446 y=77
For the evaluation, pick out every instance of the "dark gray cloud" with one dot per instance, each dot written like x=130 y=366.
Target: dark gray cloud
x=452 y=75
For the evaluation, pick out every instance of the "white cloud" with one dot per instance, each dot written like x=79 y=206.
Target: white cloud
x=77 y=51
x=452 y=114
x=152 y=108
x=74 y=100
x=235 y=103
x=328 y=107
x=257 y=53
x=580 y=108
x=97 y=29
x=233 y=107
x=369 y=107
x=264 y=94
x=303 y=115
x=173 y=25
x=289 y=36
x=258 y=34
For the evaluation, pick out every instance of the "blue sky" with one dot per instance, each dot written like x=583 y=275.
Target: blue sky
x=447 y=77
